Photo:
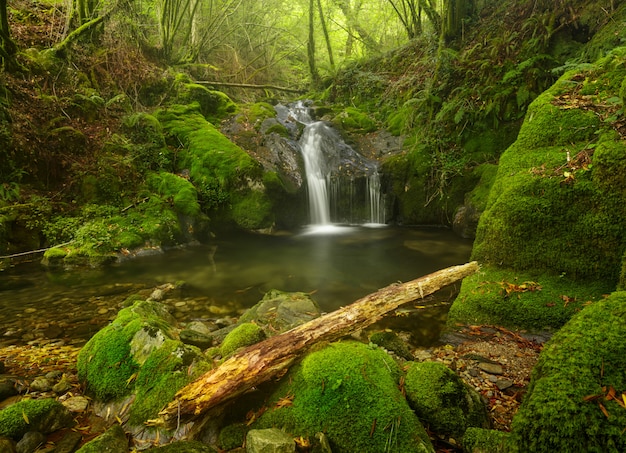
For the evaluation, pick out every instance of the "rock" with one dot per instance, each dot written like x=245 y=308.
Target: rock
x=62 y=386
x=7 y=445
x=280 y=311
x=41 y=384
x=43 y=415
x=198 y=334
x=2 y=367
x=145 y=342
x=391 y=342
x=504 y=384
x=112 y=441
x=69 y=443
x=53 y=331
x=243 y=335
x=442 y=400
x=272 y=440
x=76 y=404
x=491 y=368
x=7 y=389
x=30 y=442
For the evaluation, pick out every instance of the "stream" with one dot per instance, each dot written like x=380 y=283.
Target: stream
x=336 y=264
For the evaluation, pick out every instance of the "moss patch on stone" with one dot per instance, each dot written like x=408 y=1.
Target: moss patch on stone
x=349 y=391
x=354 y=120
x=580 y=374
x=442 y=400
x=19 y=418
x=244 y=334
x=479 y=440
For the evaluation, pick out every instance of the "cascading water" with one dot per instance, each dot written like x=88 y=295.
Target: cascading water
x=343 y=186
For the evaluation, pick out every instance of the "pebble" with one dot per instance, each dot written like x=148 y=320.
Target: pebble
x=103 y=311
x=76 y=403
x=30 y=310
x=491 y=368
x=41 y=384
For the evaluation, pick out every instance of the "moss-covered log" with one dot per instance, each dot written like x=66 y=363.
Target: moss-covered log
x=261 y=362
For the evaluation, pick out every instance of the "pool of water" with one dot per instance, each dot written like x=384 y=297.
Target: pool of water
x=231 y=273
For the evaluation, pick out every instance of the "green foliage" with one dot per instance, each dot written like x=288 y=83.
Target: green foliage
x=245 y=334
x=17 y=419
x=349 y=391
x=147 y=147
x=354 y=120
x=522 y=299
x=442 y=400
x=579 y=376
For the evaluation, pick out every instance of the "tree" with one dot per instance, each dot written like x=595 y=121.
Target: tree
x=8 y=48
x=454 y=14
x=315 y=77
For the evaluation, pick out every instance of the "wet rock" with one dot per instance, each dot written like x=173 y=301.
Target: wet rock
x=391 y=342
x=112 y=441
x=62 y=386
x=504 y=384
x=76 y=403
x=269 y=440
x=30 y=442
x=195 y=338
x=491 y=368
x=53 y=331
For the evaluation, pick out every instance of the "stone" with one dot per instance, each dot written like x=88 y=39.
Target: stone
x=62 y=386
x=504 y=384
x=491 y=368
x=272 y=440
x=41 y=384
x=145 y=342
x=76 y=403
x=7 y=445
x=69 y=443
x=7 y=389
x=112 y=440
x=183 y=447
x=195 y=338
x=30 y=442
x=2 y=367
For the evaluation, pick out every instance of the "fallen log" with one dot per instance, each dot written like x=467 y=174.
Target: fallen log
x=262 y=361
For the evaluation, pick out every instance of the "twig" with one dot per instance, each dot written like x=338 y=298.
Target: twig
x=34 y=251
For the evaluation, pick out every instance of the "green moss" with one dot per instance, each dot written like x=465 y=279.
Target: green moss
x=165 y=371
x=244 y=334
x=278 y=129
x=17 y=419
x=214 y=105
x=113 y=439
x=232 y=436
x=256 y=113
x=350 y=392
x=442 y=400
x=353 y=119
x=521 y=299
x=480 y=194
x=479 y=440
x=391 y=342
x=252 y=211
x=188 y=446
x=577 y=368
x=180 y=191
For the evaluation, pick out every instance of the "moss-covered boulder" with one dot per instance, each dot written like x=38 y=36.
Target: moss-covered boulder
x=113 y=440
x=139 y=354
x=228 y=179
x=245 y=334
x=480 y=440
x=349 y=391
x=442 y=400
x=575 y=397
x=42 y=415
x=214 y=105
x=556 y=205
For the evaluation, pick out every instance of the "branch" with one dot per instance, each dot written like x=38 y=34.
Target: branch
x=247 y=85
x=265 y=360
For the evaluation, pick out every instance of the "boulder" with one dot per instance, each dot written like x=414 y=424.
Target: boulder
x=113 y=440
x=349 y=391
x=442 y=400
x=43 y=415
x=270 y=440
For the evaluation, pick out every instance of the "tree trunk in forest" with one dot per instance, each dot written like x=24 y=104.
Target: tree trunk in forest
x=315 y=77
x=353 y=24
x=265 y=360
x=8 y=48
x=329 y=47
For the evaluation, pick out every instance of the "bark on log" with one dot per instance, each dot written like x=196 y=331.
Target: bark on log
x=251 y=86
x=262 y=361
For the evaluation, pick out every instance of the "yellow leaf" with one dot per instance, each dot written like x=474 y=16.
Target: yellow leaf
x=25 y=417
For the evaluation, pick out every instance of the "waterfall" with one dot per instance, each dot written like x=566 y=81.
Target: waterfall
x=343 y=186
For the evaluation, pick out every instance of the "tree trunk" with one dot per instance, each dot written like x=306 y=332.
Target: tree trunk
x=329 y=47
x=8 y=48
x=263 y=361
x=315 y=77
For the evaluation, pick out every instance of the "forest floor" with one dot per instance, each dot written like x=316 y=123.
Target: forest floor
x=495 y=362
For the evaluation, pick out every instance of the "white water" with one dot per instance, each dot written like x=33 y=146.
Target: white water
x=318 y=139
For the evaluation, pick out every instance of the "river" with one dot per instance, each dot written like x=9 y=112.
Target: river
x=223 y=278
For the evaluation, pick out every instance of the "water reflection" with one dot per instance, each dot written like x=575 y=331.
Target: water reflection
x=227 y=276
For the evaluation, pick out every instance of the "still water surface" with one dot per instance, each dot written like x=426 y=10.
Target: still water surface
x=224 y=277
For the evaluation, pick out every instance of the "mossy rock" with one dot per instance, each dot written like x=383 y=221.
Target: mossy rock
x=442 y=400
x=43 y=415
x=354 y=120
x=391 y=342
x=245 y=334
x=280 y=311
x=189 y=446
x=549 y=214
x=214 y=105
x=522 y=300
x=349 y=391
x=480 y=440
x=183 y=194
x=112 y=440
x=232 y=436
x=573 y=401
